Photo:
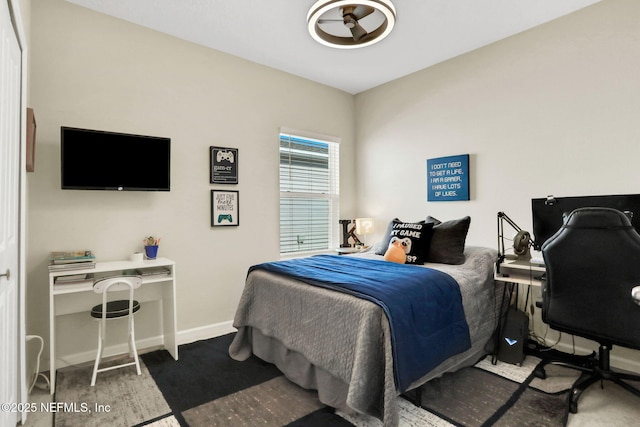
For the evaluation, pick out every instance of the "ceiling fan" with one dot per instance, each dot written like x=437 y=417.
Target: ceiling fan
x=351 y=14
x=350 y=23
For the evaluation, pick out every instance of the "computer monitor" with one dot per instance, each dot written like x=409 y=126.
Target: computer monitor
x=548 y=212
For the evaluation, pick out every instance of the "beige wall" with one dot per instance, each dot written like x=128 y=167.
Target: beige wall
x=550 y=111
x=93 y=71
x=553 y=110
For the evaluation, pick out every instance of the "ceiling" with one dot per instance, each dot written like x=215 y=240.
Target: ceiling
x=274 y=32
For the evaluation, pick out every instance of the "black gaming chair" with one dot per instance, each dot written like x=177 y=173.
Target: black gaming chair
x=592 y=290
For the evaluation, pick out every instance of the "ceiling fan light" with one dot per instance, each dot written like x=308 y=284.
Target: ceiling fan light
x=385 y=7
x=350 y=21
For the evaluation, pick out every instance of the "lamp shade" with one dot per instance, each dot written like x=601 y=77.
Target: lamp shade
x=365 y=226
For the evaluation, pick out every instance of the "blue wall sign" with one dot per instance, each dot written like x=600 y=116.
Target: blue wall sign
x=448 y=178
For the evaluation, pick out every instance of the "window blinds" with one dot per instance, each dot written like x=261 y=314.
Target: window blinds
x=309 y=193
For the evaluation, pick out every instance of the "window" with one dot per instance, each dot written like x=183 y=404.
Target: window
x=309 y=193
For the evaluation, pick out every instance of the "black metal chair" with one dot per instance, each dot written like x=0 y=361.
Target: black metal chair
x=592 y=290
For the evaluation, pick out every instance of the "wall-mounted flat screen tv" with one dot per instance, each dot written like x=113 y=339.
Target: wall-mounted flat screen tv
x=100 y=160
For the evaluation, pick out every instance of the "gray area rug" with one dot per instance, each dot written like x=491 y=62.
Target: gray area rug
x=119 y=398
x=277 y=402
x=488 y=395
x=207 y=388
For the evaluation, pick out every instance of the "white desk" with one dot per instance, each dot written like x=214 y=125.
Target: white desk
x=78 y=297
x=521 y=272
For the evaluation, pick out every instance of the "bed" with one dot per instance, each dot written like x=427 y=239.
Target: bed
x=340 y=345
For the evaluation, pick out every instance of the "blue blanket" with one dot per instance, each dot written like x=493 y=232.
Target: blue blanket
x=423 y=305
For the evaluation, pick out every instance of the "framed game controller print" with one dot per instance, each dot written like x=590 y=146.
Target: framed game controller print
x=224 y=165
x=224 y=208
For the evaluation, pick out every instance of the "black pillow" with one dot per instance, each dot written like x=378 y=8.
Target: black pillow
x=419 y=233
x=447 y=240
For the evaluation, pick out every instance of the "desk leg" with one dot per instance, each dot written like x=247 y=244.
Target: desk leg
x=169 y=321
x=52 y=339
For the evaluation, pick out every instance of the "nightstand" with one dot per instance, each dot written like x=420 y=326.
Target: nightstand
x=350 y=250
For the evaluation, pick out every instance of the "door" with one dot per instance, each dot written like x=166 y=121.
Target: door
x=10 y=105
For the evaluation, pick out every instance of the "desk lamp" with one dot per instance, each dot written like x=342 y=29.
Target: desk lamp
x=365 y=226
x=521 y=241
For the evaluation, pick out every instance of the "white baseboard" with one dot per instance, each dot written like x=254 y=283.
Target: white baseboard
x=90 y=356
x=149 y=344
x=218 y=329
x=205 y=332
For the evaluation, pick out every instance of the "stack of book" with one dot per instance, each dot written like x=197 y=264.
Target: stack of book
x=71 y=260
x=73 y=279
x=153 y=271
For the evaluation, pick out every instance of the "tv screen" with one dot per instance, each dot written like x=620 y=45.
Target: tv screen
x=100 y=160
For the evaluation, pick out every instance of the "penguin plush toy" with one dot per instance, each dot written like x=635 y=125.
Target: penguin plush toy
x=398 y=250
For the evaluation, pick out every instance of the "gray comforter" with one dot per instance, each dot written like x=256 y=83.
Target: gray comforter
x=340 y=345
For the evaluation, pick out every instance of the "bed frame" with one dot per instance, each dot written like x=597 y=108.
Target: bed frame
x=340 y=345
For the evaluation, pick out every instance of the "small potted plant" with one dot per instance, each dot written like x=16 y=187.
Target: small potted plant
x=151 y=247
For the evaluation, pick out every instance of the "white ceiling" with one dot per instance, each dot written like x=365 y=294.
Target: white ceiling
x=274 y=32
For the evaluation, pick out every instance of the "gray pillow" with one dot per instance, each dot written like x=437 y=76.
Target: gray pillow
x=447 y=240
x=384 y=243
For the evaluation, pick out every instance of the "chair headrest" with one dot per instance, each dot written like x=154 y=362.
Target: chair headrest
x=117 y=283
x=597 y=218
